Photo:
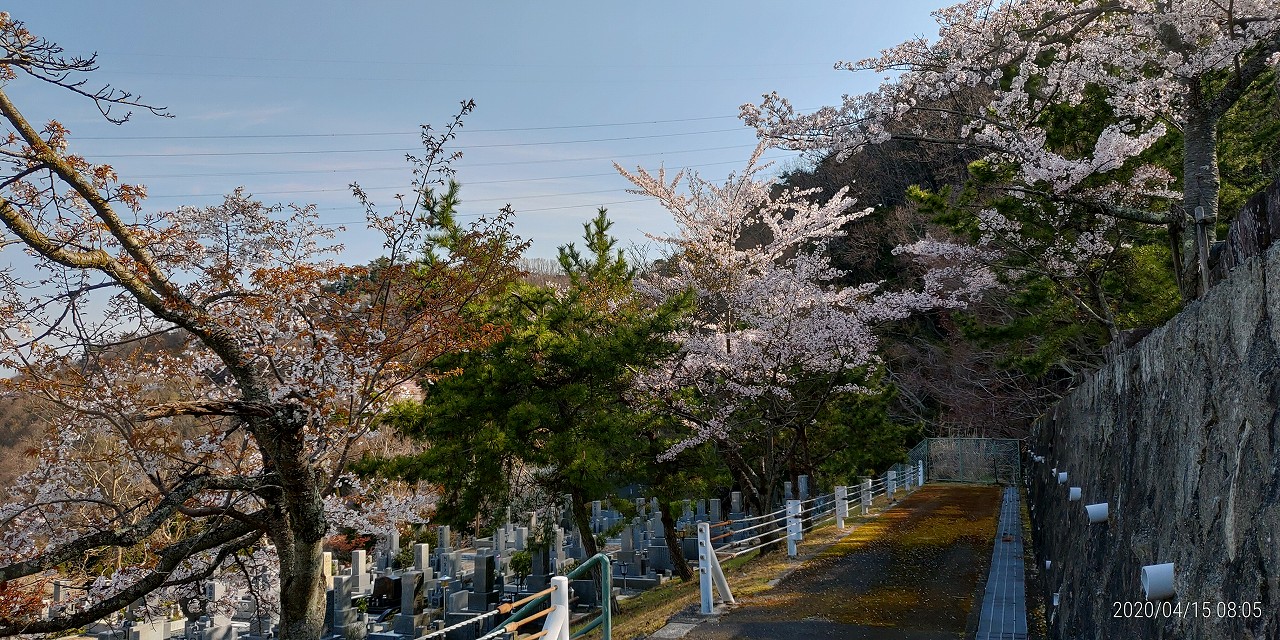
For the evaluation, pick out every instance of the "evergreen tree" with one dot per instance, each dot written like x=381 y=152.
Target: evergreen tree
x=549 y=400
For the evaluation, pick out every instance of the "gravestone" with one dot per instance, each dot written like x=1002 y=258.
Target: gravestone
x=586 y=592
x=484 y=590
x=343 y=615
x=690 y=548
x=559 y=549
x=457 y=602
x=412 y=602
x=659 y=557
x=541 y=571
x=422 y=558
x=362 y=581
x=141 y=630
x=386 y=593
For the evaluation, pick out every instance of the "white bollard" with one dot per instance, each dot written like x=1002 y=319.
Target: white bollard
x=1157 y=581
x=842 y=505
x=557 y=623
x=795 y=532
x=709 y=572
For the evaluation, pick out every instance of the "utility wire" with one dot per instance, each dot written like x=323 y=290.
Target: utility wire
x=253 y=136
x=401 y=186
x=529 y=144
x=398 y=150
x=231 y=136
x=473 y=215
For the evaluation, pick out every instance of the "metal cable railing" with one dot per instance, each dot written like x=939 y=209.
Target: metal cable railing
x=797 y=520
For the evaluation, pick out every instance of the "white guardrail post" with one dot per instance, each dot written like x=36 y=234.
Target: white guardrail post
x=920 y=472
x=866 y=496
x=556 y=625
x=891 y=483
x=842 y=505
x=709 y=571
x=795 y=532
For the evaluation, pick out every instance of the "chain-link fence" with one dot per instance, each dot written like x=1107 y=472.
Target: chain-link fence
x=987 y=460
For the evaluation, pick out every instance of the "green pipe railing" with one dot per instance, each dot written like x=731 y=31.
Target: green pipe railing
x=605 y=619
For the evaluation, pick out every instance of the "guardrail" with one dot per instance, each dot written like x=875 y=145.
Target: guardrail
x=721 y=540
x=557 y=616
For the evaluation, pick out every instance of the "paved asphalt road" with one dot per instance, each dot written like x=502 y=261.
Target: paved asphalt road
x=913 y=573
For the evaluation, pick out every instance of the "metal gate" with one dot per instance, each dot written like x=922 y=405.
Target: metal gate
x=984 y=460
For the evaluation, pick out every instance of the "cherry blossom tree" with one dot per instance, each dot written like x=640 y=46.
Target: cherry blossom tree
x=208 y=371
x=1162 y=67
x=774 y=336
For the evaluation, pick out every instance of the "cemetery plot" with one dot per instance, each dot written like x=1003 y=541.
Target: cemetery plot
x=421 y=591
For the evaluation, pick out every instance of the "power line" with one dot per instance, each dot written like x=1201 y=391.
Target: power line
x=460 y=80
x=400 y=133
x=462 y=131
x=401 y=167
x=277 y=193
x=472 y=215
x=388 y=150
x=436 y=63
x=538 y=144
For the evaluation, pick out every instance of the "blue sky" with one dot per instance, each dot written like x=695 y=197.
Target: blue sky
x=295 y=100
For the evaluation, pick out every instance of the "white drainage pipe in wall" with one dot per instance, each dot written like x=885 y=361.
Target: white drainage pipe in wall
x=1157 y=581
x=1097 y=512
x=1062 y=477
x=1048 y=563
x=1073 y=494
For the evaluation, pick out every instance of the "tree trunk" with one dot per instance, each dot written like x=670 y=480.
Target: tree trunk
x=583 y=522
x=299 y=531
x=746 y=478
x=302 y=590
x=673 y=544
x=1200 y=185
x=674 y=547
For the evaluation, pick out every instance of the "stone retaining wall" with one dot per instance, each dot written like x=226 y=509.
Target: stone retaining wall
x=1179 y=435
